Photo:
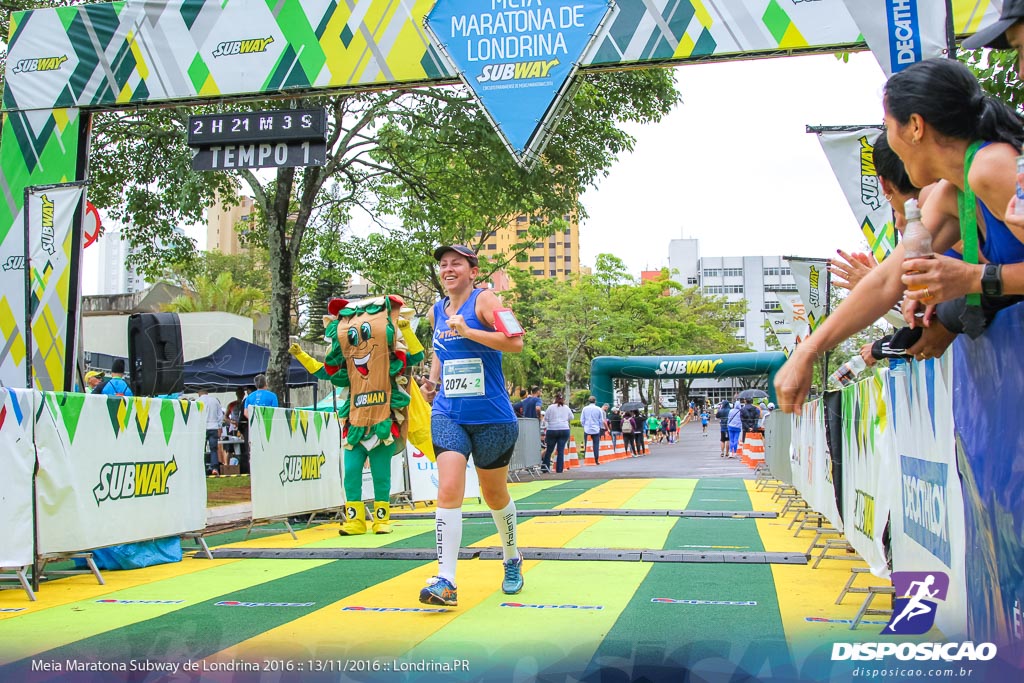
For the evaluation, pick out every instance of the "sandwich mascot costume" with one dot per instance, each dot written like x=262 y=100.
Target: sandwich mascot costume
x=371 y=346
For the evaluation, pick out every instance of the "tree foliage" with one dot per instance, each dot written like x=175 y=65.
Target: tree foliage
x=607 y=314
x=220 y=293
x=997 y=72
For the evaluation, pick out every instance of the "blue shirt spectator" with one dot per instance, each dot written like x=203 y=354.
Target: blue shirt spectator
x=261 y=397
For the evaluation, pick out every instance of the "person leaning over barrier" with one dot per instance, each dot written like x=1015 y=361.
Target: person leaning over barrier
x=471 y=414
x=934 y=111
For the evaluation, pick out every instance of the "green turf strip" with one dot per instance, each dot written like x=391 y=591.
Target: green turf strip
x=650 y=637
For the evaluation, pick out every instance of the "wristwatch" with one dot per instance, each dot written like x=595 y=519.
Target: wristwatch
x=992 y=280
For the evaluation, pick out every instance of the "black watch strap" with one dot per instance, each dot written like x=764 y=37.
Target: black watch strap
x=992 y=280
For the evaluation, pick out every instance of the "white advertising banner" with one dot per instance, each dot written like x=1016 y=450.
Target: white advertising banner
x=17 y=461
x=811 y=277
x=869 y=447
x=397 y=477
x=812 y=462
x=53 y=265
x=901 y=32
x=851 y=155
x=928 y=529
x=794 y=310
x=423 y=476
x=115 y=469
x=781 y=324
x=294 y=461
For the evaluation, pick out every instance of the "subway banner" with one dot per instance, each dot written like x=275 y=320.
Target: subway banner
x=796 y=313
x=851 y=155
x=294 y=461
x=117 y=469
x=53 y=262
x=17 y=461
x=990 y=448
x=423 y=476
x=928 y=527
x=812 y=462
x=868 y=462
x=901 y=32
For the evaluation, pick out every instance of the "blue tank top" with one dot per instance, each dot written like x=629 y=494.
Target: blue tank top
x=493 y=406
x=1000 y=244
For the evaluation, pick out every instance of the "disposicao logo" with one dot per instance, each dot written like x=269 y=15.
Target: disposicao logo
x=914 y=614
x=121 y=480
x=40 y=64
x=522 y=605
x=242 y=47
x=111 y=601
x=673 y=601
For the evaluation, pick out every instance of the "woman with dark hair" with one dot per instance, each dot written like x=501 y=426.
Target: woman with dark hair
x=935 y=114
x=556 y=418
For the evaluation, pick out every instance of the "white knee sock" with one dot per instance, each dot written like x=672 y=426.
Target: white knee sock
x=448 y=531
x=505 y=520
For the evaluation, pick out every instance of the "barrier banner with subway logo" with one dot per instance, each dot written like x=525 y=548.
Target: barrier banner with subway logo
x=117 y=469
x=901 y=32
x=294 y=461
x=851 y=155
x=927 y=516
x=812 y=462
x=17 y=461
x=868 y=462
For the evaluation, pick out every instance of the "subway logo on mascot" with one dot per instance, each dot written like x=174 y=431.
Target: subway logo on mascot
x=121 y=480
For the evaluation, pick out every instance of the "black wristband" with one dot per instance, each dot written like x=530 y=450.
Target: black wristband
x=992 y=280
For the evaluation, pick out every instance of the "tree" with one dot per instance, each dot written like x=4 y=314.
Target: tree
x=219 y=294
x=997 y=73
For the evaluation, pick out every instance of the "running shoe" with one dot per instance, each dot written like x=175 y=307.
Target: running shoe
x=513 y=581
x=439 y=591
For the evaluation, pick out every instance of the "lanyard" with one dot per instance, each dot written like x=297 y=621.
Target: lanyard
x=967 y=205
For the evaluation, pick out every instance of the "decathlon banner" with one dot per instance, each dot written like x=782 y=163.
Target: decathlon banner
x=116 y=469
x=53 y=262
x=869 y=488
x=517 y=58
x=423 y=476
x=990 y=441
x=17 y=461
x=851 y=155
x=811 y=277
x=294 y=461
x=901 y=32
x=812 y=462
x=928 y=528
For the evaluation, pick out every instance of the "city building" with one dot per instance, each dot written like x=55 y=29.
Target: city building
x=757 y=279
x=557 y=256
x=116 y=276
x=224 y=223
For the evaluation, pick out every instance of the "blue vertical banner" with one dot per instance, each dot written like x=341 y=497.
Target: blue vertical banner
x=904 y=33
x=518 y=57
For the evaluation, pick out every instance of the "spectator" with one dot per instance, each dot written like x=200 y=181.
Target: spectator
x=556 y=418
x=531 y=404
x=615 y=427
x=592 y=419
x=735 y=427
x=723 y=423
x=261 y=397
x=114 y=385
x=517 y=407
x=750 y=416
x=673 y=426
x=93 y=379
x=214 y=419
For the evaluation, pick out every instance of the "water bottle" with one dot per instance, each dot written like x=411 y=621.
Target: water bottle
x=917 y=241
x=848 y=371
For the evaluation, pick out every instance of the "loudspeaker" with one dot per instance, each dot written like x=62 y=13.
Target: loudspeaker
x=155 y=356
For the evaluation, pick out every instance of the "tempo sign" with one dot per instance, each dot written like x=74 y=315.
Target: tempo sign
x=259 y=139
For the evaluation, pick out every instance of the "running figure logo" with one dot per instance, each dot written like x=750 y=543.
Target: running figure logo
x=913 y=612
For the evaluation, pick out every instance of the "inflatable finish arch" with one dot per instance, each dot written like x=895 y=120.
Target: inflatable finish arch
x=604 y=368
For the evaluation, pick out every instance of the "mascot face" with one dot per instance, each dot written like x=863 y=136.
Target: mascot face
x=362 y=338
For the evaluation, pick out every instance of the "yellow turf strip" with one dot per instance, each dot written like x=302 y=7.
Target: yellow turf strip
x=611 y=494
x=662 y=494
x=82 y=617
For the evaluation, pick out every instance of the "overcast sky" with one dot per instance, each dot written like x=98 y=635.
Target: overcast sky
x=733 y=166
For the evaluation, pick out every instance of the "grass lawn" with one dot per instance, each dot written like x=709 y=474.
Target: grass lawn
x=227 y=490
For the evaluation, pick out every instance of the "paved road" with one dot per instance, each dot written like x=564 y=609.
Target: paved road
x=693 y=456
